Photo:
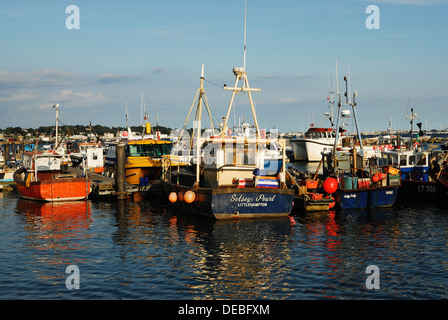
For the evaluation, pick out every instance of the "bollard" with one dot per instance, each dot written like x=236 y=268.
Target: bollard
x=120 y=189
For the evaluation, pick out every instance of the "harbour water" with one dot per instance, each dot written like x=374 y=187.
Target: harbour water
x=144 y=250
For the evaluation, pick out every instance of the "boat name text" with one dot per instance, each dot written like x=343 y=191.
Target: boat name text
x=259 y=200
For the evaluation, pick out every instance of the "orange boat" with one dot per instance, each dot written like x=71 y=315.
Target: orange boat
x=44 y=177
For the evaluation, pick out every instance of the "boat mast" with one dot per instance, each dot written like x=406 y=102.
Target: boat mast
x=201 y=94
x=56 y=106
x=245 y=14
x=241 y=74
x=336 y=138
x=198 y=127
x=411 y=117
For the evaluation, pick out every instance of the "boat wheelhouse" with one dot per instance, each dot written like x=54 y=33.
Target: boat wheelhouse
x=310 y=147
x=414 y=169
x=90 y=155
x=143 y=164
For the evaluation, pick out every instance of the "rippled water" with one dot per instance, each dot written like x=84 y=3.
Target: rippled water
x=145 y=250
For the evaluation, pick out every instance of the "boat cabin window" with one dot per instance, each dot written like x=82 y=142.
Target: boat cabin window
x=230 y=154
x=403 y=160
x=148 y=150
x=411 y=160
x=390 y=159
x=422 y=160
x=320 y=134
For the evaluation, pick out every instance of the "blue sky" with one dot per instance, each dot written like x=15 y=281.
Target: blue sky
x=124 y=49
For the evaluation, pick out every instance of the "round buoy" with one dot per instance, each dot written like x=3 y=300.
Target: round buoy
x=330 y=185
x=332 y=204
x=383 y=176
x=189 y=196
x=172 y=197
x=376 y=177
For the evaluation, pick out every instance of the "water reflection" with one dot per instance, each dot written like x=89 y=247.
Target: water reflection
x=54 y=232
x=306 y=256
x=238 y=259
x=54 y=221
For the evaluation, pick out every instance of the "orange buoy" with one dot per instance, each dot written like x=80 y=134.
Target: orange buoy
x=376 y=177
x=189 y=196
x=332 y=204
x=383 y=176
x=330 y=185
x=172 y=197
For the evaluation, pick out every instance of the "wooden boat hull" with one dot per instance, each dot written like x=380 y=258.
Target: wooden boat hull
x=442 y=188
x=50 y=189
x=234 y=203
x=368 y=198
x=416 y=188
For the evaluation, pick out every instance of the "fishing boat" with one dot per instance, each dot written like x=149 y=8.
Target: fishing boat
x=316 y=140
x=356 y=180
x=416 y=171
x=310 y=147
x=44 y=176
x=90 y=155
x=226 y=178
x=441 y=179
x=143 y=164
x=308 y=196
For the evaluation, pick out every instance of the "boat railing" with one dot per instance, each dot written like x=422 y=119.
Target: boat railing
x=171 y=160
x=368 y=177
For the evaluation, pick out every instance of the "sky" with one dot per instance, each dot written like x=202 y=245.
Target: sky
x=126 y=52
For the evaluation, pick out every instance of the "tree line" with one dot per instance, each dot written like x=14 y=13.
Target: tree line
x=73 y=130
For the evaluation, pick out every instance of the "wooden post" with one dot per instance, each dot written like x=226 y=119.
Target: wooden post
x=120 y=189
x=6 y=152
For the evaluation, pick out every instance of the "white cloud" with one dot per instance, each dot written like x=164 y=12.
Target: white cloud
x=68 y=98
x=288 y=100
x=28 y=93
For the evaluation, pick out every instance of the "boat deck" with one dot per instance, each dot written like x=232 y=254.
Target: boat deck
x=103 y=185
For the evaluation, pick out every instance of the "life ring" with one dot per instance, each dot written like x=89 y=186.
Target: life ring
x=416 y=144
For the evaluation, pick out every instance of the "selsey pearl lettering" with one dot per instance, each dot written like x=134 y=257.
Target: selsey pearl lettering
x=260 y=197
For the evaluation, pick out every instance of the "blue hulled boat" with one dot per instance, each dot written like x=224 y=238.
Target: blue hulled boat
x=362 y=183
x=226 y=176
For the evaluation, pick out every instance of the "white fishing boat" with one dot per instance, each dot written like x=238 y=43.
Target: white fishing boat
x=316 y=140
x=90 y=155
x=226 y=179
x=319 y=139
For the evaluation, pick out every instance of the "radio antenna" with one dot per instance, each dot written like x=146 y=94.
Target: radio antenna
x=245 y=13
